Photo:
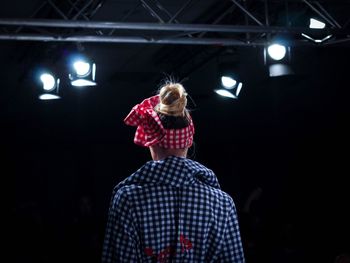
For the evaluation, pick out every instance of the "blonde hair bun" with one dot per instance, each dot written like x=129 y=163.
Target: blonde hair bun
x=173 y=100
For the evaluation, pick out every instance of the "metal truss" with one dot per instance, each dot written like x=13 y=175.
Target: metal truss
x=255 y=25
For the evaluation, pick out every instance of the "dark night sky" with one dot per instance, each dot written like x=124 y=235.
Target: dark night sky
x=287 y=135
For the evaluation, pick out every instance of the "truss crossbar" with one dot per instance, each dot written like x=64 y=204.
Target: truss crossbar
x=158 y=27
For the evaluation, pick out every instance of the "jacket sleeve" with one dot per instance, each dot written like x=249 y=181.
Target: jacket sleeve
x=121 y=239
x=231 y=248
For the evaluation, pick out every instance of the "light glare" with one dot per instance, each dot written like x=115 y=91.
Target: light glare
x=239 y=87
x=82 y=68
x=228 y=82
x=225 y=93
x=49 y=97
x=279 y=69
x=48 y=81
x=276 y=51
x=83 y=83
x=315 y=24
x=316 y=40
x=93 y=71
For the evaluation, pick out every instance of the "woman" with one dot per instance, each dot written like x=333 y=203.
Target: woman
x=172 y=208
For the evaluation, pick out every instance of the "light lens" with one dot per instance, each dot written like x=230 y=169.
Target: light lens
x=315 y=24
x=228 y=82
x=48 y=81
x=82 y=68
x=276 y=51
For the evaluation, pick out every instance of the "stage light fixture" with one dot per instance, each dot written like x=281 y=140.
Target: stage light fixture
x=83 y=74
x=50 y=86
x=229 y=81
x=319 y=35
x=277 y=58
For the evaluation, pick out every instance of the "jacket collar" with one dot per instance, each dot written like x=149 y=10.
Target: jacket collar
x=172 y=171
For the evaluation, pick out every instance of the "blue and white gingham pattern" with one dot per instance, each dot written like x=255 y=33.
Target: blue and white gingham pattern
x=172 y=211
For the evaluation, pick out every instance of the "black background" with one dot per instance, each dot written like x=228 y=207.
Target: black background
x=287 y=135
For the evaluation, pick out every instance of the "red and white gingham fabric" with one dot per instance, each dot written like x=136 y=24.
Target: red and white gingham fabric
x=150 y=130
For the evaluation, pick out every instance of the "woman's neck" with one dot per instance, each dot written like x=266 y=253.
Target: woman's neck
x=159 y=153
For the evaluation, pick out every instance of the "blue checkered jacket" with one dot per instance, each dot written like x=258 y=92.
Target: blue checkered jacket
x=172 y=211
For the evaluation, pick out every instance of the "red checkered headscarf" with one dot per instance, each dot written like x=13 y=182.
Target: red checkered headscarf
x=150 y=130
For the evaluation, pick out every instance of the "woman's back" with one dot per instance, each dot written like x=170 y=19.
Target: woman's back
x=174 y=211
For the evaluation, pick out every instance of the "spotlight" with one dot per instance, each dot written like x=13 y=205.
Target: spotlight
x=83 y=74
x=229 y=71
x=230 y=84
x=276 y=51
x=50 y=85
x=317 y=36
x=278 y=59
